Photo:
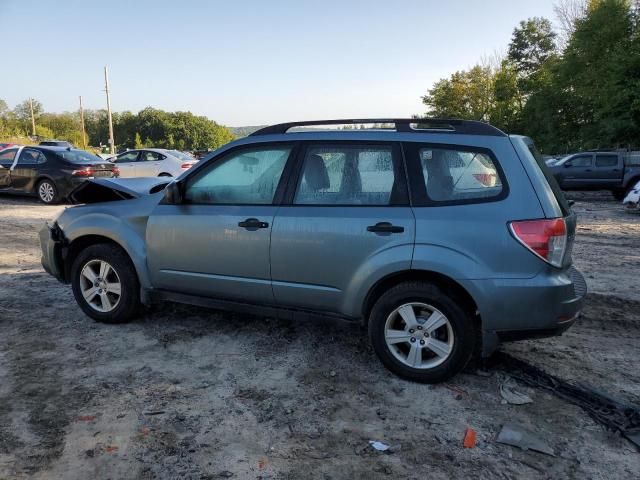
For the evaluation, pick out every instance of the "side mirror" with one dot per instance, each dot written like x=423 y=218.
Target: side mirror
x=566 y=164
x=173 y=194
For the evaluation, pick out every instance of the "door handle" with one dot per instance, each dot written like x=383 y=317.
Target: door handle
x=384 y=227
x=253 y=223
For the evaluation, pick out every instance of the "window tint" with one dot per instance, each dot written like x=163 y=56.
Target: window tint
x=7 y=156
x=347 y=175
x=150 y=156
x=606 y=160
x=249 y=176
x=582 y=161
x=452 y=174
x=30 y=156
x=127 y=157
x=632 y=158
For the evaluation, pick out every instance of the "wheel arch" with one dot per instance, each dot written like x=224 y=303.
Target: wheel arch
x=39 y=178
x=445 y=282
x=73 y=249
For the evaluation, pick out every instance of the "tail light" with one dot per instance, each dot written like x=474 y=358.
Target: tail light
x=486 y=179
x=546 y=238
x=84 y=172
x=116 y=171
x=184 y=166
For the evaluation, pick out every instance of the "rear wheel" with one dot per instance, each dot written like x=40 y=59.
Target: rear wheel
x=47 y=191
x=420 y=333
x=105 y=284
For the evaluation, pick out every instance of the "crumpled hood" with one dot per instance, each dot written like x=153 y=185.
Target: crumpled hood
x=111 y=189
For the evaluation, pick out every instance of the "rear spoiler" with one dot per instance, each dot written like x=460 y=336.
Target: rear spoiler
x=111 y=189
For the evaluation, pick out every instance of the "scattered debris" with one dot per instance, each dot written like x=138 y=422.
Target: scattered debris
x=379 y=446
x=602 y=408
x=86 y=418
x=111 y=449
x=155 y=412
x=470 y=438
x=509 y=393
x=333 y=373
x=225 y=474
x=521 y=438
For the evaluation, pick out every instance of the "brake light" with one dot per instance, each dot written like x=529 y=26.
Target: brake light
x=486 y=179
x=184 y=166
x=116 y=171
x=546 y=238
x=84 y=172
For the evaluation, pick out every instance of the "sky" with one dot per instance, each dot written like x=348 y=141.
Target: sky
x=248 y=62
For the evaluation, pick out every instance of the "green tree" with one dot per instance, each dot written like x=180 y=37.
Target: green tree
x=138 y=141
x=22 y=113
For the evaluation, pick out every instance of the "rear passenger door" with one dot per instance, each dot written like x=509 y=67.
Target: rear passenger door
x=25 y=171
x=346 y=222
x=608 y=169
x=149 y=164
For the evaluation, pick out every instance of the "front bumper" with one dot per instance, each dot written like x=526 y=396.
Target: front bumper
x=519 y=309
x=52 y=243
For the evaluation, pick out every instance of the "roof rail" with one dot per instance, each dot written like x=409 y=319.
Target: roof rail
x=405 y=125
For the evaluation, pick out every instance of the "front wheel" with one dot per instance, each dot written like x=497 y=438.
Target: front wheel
x=105 y=284
x=47 y=192
x=420 y=333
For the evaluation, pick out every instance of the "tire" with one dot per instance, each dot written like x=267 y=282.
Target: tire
x=123 y=307
x=47 y=192
x=457 y=334
x=619 y=193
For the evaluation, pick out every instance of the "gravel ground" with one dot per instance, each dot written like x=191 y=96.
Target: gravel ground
x=190 y=393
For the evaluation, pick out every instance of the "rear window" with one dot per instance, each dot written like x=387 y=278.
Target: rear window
x=456 y=174
x=551 y=180
x=79 y=156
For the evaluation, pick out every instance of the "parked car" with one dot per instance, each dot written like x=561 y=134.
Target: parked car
x=632 y=199
x=615 y=171
x=51 y=173
x=152 y=162
x=7 y=145
x=378 y=226
x=56 y=143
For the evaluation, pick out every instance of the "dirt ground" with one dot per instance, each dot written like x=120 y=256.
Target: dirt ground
x=190 y=393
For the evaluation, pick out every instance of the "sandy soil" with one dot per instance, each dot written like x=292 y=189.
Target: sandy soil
x=189 y=393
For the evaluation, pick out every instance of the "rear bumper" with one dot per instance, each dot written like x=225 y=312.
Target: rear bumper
x=52 y=243
x=517 y=309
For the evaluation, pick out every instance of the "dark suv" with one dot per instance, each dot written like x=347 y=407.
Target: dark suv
x=442 y=236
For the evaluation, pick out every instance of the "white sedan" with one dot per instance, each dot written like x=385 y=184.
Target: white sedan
x=152 y=162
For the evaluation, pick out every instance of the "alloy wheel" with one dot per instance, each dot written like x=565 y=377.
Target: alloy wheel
x=46 y=192
x=100 y=286
x=419 y=335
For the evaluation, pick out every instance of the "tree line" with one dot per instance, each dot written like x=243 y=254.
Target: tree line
x=150 y=127
x=573 y=89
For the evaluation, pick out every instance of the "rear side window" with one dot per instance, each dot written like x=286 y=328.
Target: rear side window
x=351 y=174
x=78 y=156
x=606 y=160
x=30 y=156
x=455 y=174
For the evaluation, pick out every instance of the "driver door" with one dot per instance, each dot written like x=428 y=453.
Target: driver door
x=127 y=163
x=7 y=157
x=216 y=243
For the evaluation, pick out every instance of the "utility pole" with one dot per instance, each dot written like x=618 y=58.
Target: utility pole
x=84 y=136
x=112 y=146
x=33 y=119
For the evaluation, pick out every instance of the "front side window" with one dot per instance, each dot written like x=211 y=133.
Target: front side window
x=582 y=161
x=7 y=156
x=606 y=160
x=127 y=157
x=245 y=177
x=350 y=175
x=456 y=174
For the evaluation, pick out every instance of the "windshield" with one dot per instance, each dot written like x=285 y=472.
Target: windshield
x=78 y=156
